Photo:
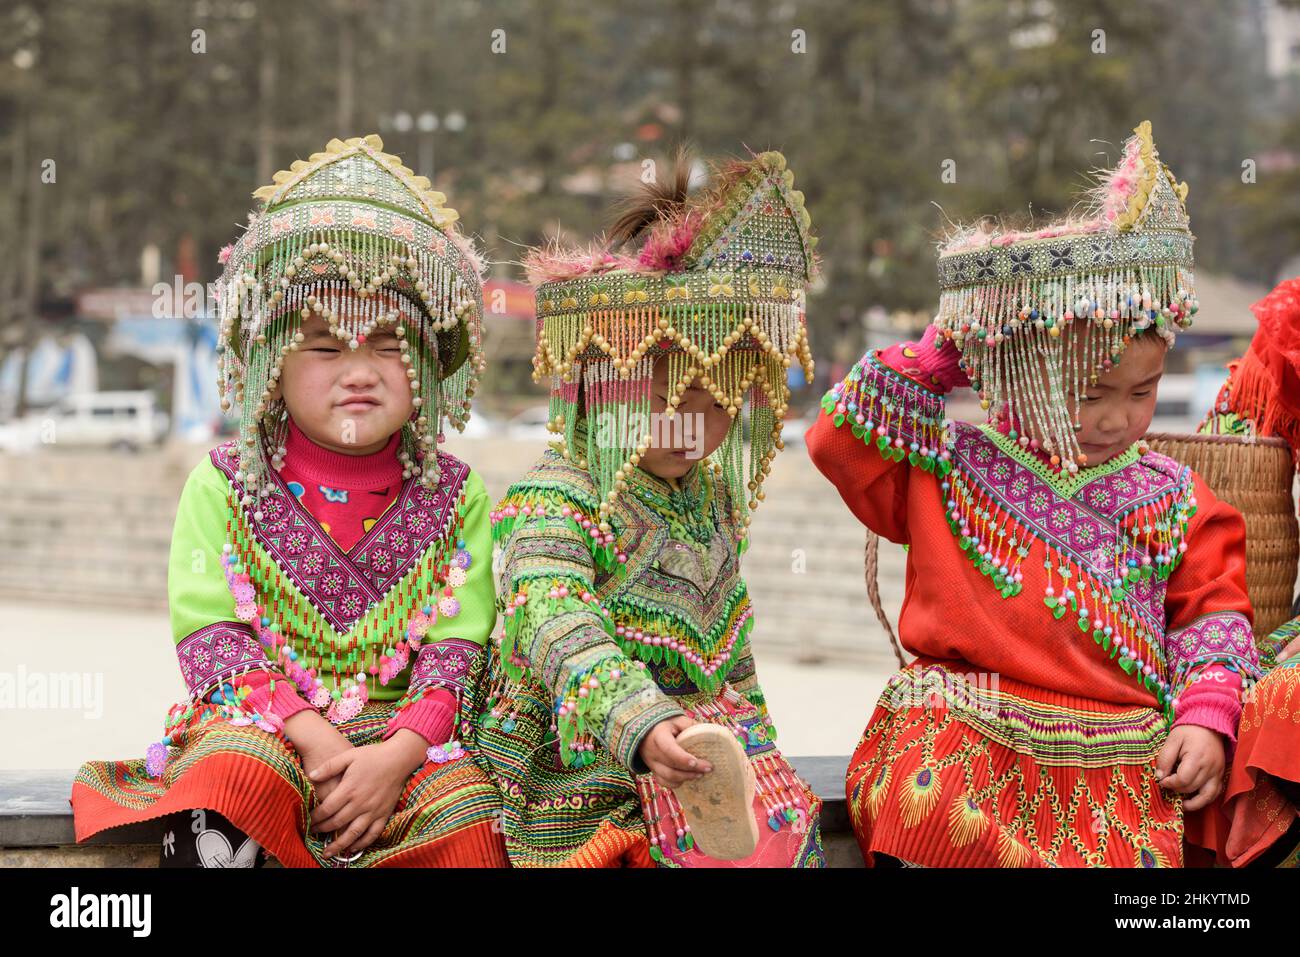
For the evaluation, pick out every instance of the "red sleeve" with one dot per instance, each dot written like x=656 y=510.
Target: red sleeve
x=1208 y=617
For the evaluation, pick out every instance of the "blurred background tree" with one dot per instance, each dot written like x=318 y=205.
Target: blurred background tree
x=160 y=117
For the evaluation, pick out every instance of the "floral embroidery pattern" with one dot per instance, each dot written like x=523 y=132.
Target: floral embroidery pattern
x=345 y=584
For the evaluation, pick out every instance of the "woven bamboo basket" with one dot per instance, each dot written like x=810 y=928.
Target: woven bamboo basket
x=1254 y=476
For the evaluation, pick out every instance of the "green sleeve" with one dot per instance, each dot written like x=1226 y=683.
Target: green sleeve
x=212 y=643
x=558 y=633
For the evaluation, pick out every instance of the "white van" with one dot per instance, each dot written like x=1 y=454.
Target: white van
x=117 y=420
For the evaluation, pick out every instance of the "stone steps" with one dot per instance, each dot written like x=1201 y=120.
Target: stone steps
x=96 y=527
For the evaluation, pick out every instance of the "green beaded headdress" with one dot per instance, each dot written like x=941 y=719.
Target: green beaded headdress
x=353 y=236
x=717 y=286
x=1121 y=269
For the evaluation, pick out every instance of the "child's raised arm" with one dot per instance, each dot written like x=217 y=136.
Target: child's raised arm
x=886 y=415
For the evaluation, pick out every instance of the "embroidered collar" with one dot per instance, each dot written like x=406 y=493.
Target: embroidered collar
x=344 y=585
x=688 y=509
x=1063 y=483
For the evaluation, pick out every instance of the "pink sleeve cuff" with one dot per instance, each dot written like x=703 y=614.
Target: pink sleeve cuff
x=286 y=701
x=431 y=717
x=1212 y=700
x=937 y=369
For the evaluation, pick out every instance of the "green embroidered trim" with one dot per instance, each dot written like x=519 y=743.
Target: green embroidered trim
x=634 y=615
x=554 y=498
x=1062 y=482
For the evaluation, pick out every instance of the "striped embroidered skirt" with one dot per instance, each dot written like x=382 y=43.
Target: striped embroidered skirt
x=448 y=814
x=601 y=815
x=955 y=770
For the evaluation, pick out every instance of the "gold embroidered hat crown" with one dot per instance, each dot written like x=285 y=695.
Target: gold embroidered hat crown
x=355 y=237
x=717 y=286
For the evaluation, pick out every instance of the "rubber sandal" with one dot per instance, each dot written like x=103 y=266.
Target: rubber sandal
x=720 y=805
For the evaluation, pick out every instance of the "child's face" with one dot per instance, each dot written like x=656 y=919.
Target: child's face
x=696 y=429
x=1117 y=411
x=346 y=400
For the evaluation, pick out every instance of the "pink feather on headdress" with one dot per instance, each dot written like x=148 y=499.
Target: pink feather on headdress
x=553 y=263
x=668 y=243
x=1116 y=187
x=468 y=249
x=223 y=256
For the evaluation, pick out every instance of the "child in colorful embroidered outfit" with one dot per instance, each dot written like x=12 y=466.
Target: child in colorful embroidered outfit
x=330 y=583
x=1070 y=594
x=627 y=620
x=1262 y=798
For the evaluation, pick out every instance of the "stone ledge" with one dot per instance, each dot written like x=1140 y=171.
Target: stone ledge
x=36 y=822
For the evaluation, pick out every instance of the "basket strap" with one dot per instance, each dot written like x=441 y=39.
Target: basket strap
x=872 y=563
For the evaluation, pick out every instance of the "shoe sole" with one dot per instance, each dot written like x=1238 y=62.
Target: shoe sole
x=720 y=805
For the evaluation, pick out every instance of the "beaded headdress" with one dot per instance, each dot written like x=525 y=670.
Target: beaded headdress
x=353 y=236
x=717 y=286
x=1122 y=268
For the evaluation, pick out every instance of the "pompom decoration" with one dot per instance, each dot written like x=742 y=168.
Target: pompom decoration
x=155 y=759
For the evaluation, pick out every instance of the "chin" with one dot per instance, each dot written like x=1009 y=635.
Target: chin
x=366 y=431
x=668 y=466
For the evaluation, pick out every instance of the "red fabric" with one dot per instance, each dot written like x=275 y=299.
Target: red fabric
x=256 y=797
x=927 y=746
x=1265 y=383
x=950 y=612
x=1268 y=748
x=251 y=794
x=346 y=494
x=431 y=717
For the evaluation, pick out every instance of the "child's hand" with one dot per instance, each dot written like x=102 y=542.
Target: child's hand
x=1292 y=648
x=317 y=758
x=671 y=764
x=370 y=783
x=1191 y=762
x=316 y=741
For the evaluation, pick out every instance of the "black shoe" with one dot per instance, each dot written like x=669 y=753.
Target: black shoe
x=203 y=838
